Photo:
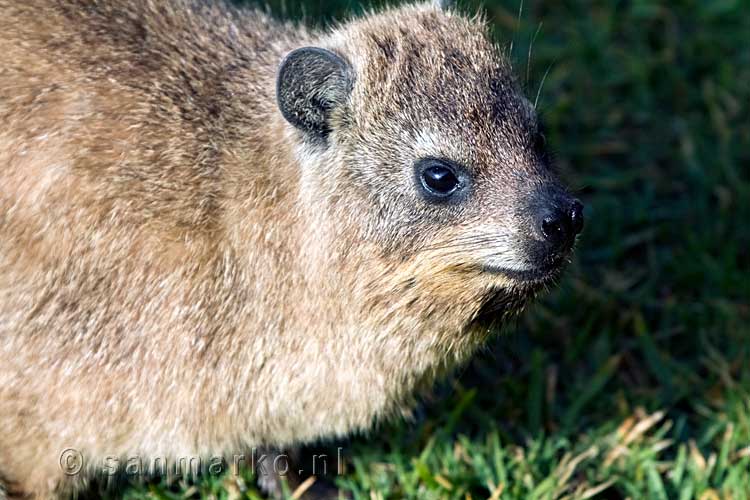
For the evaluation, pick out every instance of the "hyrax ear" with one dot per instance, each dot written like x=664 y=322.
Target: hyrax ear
x=311 y=82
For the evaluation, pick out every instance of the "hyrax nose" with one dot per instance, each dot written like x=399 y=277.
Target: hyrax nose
x=561 y=225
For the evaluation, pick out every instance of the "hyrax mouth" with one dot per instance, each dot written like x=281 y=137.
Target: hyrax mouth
x=539 y=274
x=517 y=288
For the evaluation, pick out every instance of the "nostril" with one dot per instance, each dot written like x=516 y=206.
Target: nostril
x=562 y=223
x=576 y=216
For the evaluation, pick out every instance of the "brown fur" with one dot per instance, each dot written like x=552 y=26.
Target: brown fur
x=181 y=273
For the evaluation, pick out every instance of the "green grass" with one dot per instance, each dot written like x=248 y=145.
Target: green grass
x=631 y=379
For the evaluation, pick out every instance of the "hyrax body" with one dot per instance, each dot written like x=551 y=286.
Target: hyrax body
x=213 y=238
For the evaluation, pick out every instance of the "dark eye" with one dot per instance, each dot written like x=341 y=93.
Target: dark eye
x=439 y=179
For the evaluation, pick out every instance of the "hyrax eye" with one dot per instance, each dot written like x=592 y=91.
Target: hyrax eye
x=438 y=179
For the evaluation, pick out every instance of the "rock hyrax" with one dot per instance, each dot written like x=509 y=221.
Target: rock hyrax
x=220 y=231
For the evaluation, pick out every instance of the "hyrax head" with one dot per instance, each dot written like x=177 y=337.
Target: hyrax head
x=413 y=120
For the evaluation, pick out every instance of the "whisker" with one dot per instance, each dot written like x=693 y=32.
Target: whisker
x=518 y=28
x=461 y=241
x=531 y=48
x=541 y=85
x=463 y=247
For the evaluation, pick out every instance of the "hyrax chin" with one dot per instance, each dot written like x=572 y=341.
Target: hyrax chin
x=219 y=231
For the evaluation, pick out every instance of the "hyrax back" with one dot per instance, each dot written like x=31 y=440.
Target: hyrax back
x=219 y=231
